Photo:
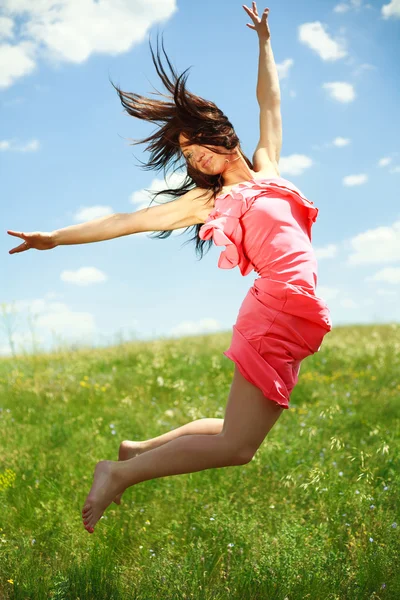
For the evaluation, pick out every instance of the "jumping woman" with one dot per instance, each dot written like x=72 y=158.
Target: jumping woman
x=264 y=222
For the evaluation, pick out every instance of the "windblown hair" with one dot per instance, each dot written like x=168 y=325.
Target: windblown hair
x=200 y=120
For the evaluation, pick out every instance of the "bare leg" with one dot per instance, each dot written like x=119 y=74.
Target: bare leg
x=130 y=449
x=199 y=427
x=248 y=419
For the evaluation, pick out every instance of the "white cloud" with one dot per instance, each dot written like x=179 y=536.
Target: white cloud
x=348 y=303
x=63 y=321
x=29 y=147
x=12 y=145
x=71 y=31
x=327 y=293
x=329 y=251
x=84 y=276
x=384 y=162
x=6 y=28
x=351 y=180
x=376 y=246
x=293 y=94
x=283 y=68
x=388 y=274
x=354 y=4
x=295 y=164
x=315 y=37
x=16 y=61
x=391 y=10
x=88 y=213
x=195 y=327
x=340 y=142
x=47 y=319
x=340 y=90
x=389 y=293
x=21 y=342
x=341 y=8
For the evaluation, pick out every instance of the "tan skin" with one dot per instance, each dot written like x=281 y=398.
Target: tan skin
x=233 y=172
x=206 y=443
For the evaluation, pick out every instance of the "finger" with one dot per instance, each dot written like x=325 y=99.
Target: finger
x=250 y=13
x=251 y=26
x=20 y=248
x=255 y=8
x=15 y=233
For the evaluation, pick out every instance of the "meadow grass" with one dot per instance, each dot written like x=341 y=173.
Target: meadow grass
x=314 y=514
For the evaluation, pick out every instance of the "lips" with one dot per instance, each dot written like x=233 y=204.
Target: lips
x=204 y=164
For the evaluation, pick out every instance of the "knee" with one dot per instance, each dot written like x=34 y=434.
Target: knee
x=244 y=457
x=240 y=456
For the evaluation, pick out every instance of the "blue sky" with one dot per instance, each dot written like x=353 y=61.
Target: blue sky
x=65 y=158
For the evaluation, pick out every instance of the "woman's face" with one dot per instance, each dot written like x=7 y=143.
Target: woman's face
x=203 y=159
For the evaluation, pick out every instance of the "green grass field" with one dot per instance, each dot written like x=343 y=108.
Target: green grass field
x=314 y=515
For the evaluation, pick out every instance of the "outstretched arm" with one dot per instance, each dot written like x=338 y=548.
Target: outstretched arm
x=268 y=94
x=185 y=211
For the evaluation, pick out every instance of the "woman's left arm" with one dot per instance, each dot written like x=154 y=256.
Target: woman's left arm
x=268 y=94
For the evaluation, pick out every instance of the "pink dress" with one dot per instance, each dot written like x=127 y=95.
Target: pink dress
x=265 y=225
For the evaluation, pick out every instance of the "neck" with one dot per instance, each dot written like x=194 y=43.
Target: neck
x=237 y=170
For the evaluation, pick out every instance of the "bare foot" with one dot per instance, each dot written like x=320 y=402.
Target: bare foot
x=128 y=450
x=106 y=484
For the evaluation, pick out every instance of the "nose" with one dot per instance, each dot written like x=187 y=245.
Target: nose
x=199 y=156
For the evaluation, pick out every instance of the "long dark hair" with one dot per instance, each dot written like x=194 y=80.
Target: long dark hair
x=200 y=120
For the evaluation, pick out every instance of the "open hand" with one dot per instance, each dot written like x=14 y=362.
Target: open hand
x=260 y=25
x=37 y=240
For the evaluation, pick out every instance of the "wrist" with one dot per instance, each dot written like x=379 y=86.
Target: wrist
x=54 y=238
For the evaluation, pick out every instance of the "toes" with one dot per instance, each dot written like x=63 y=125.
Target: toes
x=89 y=521
x=87 y=525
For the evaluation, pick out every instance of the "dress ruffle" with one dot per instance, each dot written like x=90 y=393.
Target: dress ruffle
x=223 y=223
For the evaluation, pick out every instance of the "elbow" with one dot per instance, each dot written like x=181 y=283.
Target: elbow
x=270 y=100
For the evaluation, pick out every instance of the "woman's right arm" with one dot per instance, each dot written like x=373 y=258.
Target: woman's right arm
x=183 y=212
